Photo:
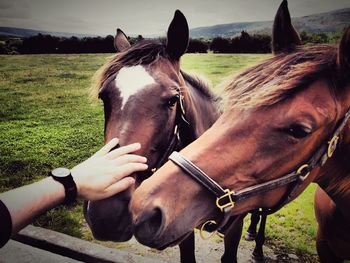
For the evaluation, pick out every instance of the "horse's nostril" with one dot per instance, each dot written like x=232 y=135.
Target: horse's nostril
x=149 y=226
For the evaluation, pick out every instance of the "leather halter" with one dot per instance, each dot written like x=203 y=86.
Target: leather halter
x=175 y=138
x=226 y=198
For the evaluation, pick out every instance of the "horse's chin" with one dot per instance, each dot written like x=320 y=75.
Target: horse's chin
x=163 y=242
x=174 y=242
x=109 y=220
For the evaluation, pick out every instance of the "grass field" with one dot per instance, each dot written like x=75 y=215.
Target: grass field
x=47 y=120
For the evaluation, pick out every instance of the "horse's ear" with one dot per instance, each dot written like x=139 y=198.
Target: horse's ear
x=121 y=42
x=178 y=36
x=343 y=59
x=284 y=35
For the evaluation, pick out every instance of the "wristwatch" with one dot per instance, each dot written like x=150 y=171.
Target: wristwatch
x=64 y=176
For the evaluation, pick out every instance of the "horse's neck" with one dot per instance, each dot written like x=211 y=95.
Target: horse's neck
x=201 y=111
x=334 y=178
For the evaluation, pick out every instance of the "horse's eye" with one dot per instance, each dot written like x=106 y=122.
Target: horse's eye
x=298 y=131
x=172 y=101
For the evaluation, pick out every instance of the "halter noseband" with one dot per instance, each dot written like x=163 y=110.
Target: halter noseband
x=226 y=198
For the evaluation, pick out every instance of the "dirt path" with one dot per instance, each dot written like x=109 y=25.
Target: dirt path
x=211 y=251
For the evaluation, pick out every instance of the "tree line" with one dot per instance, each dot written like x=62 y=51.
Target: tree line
x=244 y=43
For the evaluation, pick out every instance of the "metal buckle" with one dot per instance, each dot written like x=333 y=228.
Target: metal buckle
x=332 y=145
x=301 y=169
x=182 y=107
x=229 y=202
x=203 y=236
x=176 y=130
x=182 y=104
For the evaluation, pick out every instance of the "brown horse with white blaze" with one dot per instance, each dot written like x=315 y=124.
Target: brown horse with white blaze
x=148 y=99
x=286 y=124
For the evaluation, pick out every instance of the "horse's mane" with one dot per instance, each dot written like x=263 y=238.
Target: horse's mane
x=201 y=85
x=144 y=52
x=335 y=180
x=280 y=76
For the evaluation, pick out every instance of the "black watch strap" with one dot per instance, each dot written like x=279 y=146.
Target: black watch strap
x=71 y=194
x=64 y=176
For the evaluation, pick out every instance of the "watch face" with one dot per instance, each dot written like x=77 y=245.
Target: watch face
x=60 y=172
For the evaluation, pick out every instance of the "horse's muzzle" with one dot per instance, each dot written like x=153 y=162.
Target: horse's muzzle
x=109 y=219
x=148 y=226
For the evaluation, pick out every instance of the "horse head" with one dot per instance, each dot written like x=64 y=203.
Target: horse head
x=140 y=89
x=148 y=99
x=279 y=117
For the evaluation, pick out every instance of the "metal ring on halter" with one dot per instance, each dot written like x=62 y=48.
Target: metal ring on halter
x=301 y=169
x=221 y=235
x=332 y=145
x=201 y=232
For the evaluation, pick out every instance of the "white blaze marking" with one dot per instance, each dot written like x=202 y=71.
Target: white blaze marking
x=130 y=80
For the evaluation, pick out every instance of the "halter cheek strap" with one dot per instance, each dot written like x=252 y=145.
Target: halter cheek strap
x=180 y=118
x=226 y=198
x=175 y=140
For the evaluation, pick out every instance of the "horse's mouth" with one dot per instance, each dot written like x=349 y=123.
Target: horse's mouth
x=109 y=219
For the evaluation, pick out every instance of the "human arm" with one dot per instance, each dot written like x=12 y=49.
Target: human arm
x=101 y=176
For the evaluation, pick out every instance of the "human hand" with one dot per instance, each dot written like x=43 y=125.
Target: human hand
x=105 y=173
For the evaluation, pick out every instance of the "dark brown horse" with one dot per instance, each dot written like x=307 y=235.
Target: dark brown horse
x=286 y=124
x=147 y=99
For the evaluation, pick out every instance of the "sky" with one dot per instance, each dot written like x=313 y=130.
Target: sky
x=147 y=17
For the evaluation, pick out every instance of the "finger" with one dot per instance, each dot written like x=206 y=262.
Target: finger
x=124 y=150
x=129 y=158
x=118 y=187
x=129 y=168
x=105 y=149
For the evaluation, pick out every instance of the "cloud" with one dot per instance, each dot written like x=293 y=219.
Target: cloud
x=6 y=4
x=14 y=9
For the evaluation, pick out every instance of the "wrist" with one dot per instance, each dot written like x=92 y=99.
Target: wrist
x=75 y=174
x=64 y=177
x=53 y=186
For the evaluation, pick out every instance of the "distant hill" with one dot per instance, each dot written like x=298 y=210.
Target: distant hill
x=22 y=32
x=333 y=21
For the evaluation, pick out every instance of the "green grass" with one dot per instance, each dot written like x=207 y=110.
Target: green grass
x=216 y=67
x=47 y=120
x=294 y=226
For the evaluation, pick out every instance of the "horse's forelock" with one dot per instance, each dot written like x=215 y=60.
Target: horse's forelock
x=142 y=53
